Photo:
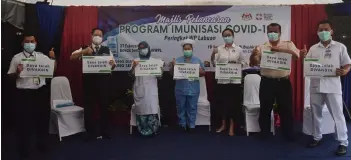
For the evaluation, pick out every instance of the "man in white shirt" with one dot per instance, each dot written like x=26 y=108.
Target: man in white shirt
x=32 y=111
x=327 y=90
x=95 y=88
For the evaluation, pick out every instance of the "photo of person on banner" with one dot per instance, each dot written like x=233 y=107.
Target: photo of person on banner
x=145 y=89
x=275 y=85
x=328 y=90
x=187 y=91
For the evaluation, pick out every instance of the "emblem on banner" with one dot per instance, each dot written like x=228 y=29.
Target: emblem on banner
x=268 y=16
x=246 y=16
x=259 y=16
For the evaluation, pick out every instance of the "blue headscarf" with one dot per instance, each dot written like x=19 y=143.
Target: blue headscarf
x=146 y=45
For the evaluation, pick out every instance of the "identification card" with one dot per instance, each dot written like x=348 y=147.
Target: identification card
x=36 y=80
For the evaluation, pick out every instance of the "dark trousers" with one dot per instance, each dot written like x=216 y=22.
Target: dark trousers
x=32 y=115
x=228 y=99
x=278 y=90
x=95 y=94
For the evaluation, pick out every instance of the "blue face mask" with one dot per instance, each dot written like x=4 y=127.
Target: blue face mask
x=228 y=39
x=29 y=47
x=188 y=53
x=273 y=36
x=324 y=35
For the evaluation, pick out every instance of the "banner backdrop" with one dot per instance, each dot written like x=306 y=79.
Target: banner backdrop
x=165 y=27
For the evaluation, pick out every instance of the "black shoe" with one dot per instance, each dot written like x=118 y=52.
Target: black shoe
x=183 y=129
x=314 y=143
x=342 y=150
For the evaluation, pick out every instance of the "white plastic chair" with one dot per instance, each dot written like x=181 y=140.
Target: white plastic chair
x=68 y=120
x=203 y=116
x=252 y=104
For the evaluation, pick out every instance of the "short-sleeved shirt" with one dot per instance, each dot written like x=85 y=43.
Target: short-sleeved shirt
x=184 y=86
x=226 y=54
x=335 y=51
x=271 y=73
x=26 y=82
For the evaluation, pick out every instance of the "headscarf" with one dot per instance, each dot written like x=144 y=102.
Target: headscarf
x=146 y=45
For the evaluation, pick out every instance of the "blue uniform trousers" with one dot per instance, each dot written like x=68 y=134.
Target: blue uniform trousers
x=187 y=109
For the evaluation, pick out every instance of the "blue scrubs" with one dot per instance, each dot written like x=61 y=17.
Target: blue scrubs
x=187 y=95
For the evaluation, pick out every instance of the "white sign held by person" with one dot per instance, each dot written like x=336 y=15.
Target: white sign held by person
x=228 y=71
x=96 y=64
x=314 y=67
x=37 y=67
x=276 y=60
x=149 y=68
x=186 y=71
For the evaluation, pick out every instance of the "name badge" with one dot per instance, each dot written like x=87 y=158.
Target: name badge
x=36 y=80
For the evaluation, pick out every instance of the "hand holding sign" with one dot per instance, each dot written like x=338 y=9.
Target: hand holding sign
x=340 y=72
x=135 y=63
x=52 y=53
x=88 y=51
x=19 y=68
x=215 y=49
x=256 y=50
x=111 y=62
x=303 y=52
x=275 y=49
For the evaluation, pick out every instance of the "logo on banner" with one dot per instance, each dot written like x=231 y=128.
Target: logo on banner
x=259 y=16
x=268 y=16
x=246 y=16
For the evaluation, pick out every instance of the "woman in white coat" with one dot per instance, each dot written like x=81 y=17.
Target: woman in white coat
x=145 y=96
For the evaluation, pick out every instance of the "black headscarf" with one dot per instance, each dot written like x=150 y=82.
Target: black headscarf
x=146 y=45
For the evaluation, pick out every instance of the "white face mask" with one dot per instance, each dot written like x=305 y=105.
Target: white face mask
x=97 y=40
x=144 y=51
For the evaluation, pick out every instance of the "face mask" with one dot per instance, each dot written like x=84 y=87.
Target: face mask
x=188 y=53
x=228 y=39
x=29 y=47
x=324 y=35
x=97 y=40
x=273 y=36
x=144 y=51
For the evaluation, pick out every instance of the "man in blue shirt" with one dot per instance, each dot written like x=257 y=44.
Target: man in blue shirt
x=187 y=91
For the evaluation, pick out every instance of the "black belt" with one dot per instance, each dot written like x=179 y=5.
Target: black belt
x=277 y=79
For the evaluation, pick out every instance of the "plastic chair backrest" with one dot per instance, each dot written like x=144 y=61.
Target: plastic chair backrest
x=251 y=89
x=60 y=89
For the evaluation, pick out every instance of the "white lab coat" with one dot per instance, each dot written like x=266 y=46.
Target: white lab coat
x=327 y=90
x=145 y=95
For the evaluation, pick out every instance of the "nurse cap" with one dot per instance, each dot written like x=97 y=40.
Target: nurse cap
x=188 y=41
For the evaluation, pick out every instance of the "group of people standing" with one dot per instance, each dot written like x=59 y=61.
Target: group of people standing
x=275 y=86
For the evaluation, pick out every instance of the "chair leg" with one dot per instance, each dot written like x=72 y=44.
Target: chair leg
x=209 y=128
x=130 y=129
x=247 y=131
